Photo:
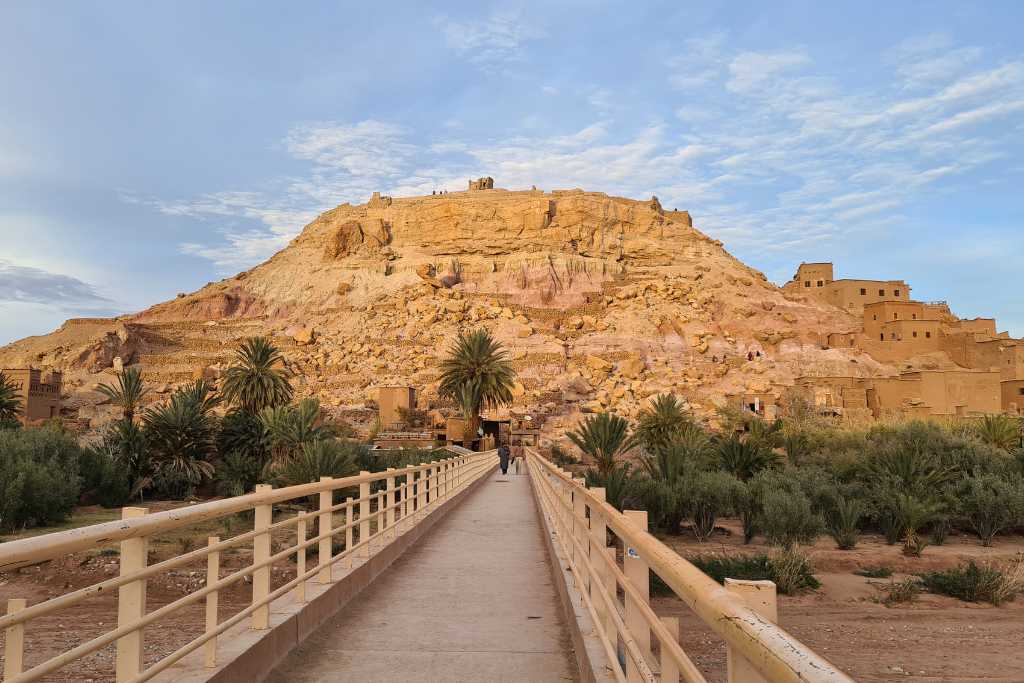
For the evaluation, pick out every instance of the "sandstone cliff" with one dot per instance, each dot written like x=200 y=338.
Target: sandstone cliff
x=604 y=301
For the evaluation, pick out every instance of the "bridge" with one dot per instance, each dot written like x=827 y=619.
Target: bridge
x=442 y=571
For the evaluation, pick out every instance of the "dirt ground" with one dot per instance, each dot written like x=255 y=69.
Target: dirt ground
x=53 y=634
x=936 y=638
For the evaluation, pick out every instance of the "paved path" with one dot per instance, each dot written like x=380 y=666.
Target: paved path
x=472 y=601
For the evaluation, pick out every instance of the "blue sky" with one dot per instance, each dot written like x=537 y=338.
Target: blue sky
x=148 y=148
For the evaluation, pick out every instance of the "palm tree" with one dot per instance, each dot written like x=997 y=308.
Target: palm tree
x=659 y=424
x=254 y=381
x=468 y=399
x=181 y=437
x=604 y=437
x=127 y=393
x=289 y=428
x=10 y=403
x=913 y=514
x=1001 y=431
x=744 y=459
x=476 y=374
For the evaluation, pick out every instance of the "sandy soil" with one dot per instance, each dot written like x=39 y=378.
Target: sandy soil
x=936 y=638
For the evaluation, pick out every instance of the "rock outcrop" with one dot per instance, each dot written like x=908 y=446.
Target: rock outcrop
x=602 y=301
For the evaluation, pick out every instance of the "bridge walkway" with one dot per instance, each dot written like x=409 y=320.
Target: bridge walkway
x=474 y=602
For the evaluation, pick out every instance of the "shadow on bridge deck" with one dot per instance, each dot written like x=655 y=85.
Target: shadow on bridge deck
x=473 y=601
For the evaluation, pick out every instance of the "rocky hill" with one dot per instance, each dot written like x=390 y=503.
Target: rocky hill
x=603 y=301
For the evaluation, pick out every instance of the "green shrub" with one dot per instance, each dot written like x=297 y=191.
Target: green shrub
x=787 y=519
x=103 y=481
x=39 y=482
x=901 y=592
x=874 y=571
x=238 y=473
x=972 y=582
x=665 y=502
x=708 y=495
x=748 y=507
x=791 y=572
x=990 y=505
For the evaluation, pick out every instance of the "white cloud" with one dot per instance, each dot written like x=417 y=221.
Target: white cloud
x=749 y=70
x=491 y=42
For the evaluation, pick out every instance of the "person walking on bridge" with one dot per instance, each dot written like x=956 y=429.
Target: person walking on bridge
x=503 y=456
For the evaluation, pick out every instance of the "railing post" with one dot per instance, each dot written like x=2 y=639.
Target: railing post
x=350 y=530
x=261 y=553
x=669 y=669
x=390 y=501
x=580 y=530
x=131 y=602
x=639 y=574
x=212 y=577
x=421 y=489
x=364 y=515
x=300 y=557
x=14 y=641
x=611 y=586
x=431 y=484
x=598 y=542
x=409 y=498
x=323 y=557
x=759 y=596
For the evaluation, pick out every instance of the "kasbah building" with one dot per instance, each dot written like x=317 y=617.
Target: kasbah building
x=961 y=367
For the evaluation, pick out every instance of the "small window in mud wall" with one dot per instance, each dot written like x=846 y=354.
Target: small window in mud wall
x=881 y=337
x=820 y=283
x=895 y=316
x=915 y=333
x=928 y=335
x=881 y=292
x=913 y=316
x=1021 y=391
x=874 y=317
x=807 y=283
x=863 y=292
x=896 y=293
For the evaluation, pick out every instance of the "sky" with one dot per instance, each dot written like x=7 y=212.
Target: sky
x=149 y=148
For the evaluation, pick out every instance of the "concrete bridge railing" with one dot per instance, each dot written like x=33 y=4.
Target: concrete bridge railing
x=390 y=504
x=742 y=612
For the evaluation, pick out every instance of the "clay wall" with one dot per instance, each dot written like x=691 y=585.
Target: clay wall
x=984 y=327
x=390 y=399
x=1012 y=396
x=40 y=397
x=879 y=313
x=835 y=392
x=853 y=295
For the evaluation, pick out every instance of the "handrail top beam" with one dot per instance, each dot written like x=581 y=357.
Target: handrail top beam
x=22 y=552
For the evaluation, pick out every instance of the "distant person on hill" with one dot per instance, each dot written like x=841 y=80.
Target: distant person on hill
x=503 y=456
